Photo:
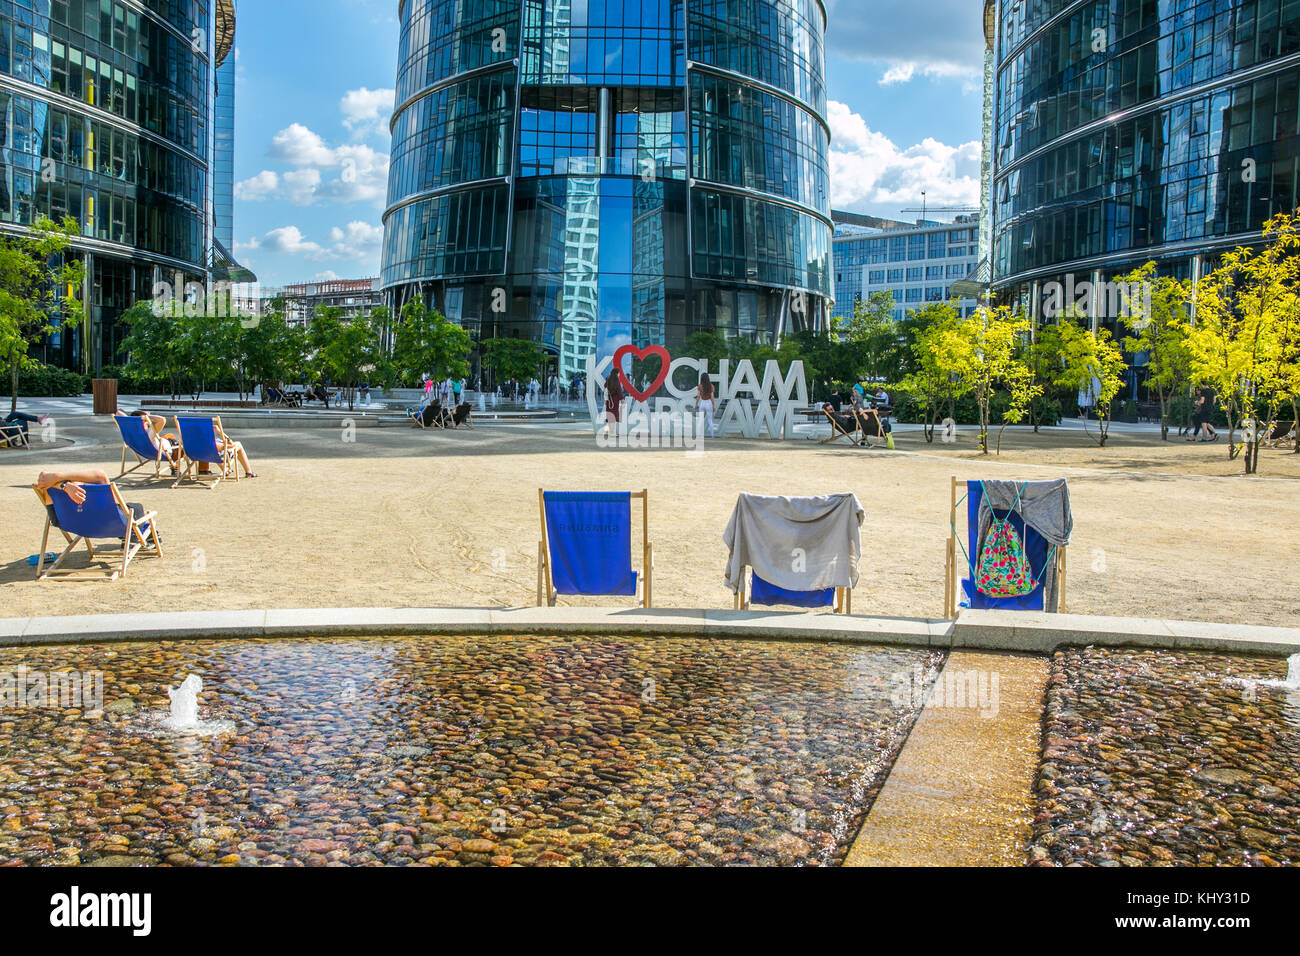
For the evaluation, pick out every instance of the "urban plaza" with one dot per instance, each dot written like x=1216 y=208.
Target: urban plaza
x=673 y=433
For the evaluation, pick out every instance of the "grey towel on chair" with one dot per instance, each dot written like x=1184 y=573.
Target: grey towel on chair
x=1045 y=507
x=799 y=544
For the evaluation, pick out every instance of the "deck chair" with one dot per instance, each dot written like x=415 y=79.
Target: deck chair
x=797 y=518
x=137 y=440
x=586 y=545
x=463 y=416
x=102 y=516
x=199 y=445
x=961 y=591
x=843 y=428
x=428 y=416
x=871 y=428
x=13 y=436
x=1280 y=435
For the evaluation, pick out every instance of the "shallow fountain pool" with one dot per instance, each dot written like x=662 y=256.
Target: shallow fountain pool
x=455 y=751
x=1162 y=757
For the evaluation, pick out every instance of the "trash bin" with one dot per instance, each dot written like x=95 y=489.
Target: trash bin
x=105 y=394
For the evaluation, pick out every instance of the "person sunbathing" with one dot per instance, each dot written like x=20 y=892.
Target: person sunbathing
x=154 y=425
x=70 y=483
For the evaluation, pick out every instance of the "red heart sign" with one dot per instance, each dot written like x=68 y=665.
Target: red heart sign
x=664 y=358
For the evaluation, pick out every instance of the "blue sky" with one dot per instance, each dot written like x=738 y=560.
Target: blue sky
x=314 y=92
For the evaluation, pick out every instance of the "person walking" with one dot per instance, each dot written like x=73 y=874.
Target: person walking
x=458 y=390
x=704 y=404
x=1205 y=421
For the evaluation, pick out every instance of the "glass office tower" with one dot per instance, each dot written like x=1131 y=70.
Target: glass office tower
x=105 y=116
x=589 y=173
x=1132 y=130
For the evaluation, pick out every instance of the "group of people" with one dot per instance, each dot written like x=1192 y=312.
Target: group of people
x=705 y=399
x=171 y=450
x=448 y=391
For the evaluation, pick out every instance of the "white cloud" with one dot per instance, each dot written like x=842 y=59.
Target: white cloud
x=300 y=186
x=870 y=173
x=329 y=275
x=290 y=240
x=359 y=172
x=262 y=186
x=937 y=39
x=354 y=241
x=366 y=112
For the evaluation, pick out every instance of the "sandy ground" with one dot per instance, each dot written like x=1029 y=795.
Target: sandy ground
x=408 y=518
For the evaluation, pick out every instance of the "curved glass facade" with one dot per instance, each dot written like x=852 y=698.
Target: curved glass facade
x=105 y=116
x=1130 y=130
x=587 y=174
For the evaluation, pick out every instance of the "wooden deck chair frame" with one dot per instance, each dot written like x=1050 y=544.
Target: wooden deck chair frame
x=952 y=571
x=838 y=432
x=141 y=462
x=871 y=441
x=133 y=543
x=229 y=467
x=546 y=593
x=843 y=596
x=11 y=434
x=418 y=419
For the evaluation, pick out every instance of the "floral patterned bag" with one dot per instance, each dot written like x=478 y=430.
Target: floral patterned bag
x=1004 y=570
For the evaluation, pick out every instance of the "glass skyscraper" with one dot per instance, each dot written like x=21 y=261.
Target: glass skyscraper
x=587 y=174
x=1130 y=130
x=106 y=113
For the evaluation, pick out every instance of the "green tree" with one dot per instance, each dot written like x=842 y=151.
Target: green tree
x=933 y=379
x=39 y=287
x=512 y=358
x=981 y=350
x=874 y=340
x=1092 y=360
x=152 y=344
x=344 y=350
x=1242 y=310
x=273 y=351
x=426 y=342
x=1160 y=333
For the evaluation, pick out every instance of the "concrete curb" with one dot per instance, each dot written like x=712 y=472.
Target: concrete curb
x=1037 y=633
x=1008 y=632
x=356 y=622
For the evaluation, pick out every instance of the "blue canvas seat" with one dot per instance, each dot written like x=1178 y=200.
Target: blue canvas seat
x=586 y=545
x=961 y=591
x=137 y=440
x=204 y=442
x=764 y=534
x=103 y=516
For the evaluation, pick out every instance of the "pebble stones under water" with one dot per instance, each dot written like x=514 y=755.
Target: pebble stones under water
x=457 y=751
x=1155 y=757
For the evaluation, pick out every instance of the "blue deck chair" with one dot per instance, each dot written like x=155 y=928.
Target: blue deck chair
x=765 y=593
x=586 y=545
x=137 y=440
x=102 y=516
x=199 y=437
x=960 y=591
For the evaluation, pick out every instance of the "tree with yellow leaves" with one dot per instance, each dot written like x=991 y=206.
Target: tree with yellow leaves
x=1242 y=341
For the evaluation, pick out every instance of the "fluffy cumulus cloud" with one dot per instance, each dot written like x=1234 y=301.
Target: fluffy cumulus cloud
x=936 y=38
x=356 y=241
x=366 y=112
x=320 y=171
x=262 y=186
x=872 y=174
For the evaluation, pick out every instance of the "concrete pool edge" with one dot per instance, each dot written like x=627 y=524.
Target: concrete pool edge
x=1014 y=632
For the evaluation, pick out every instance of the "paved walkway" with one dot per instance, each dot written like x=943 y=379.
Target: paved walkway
x=961 y=791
